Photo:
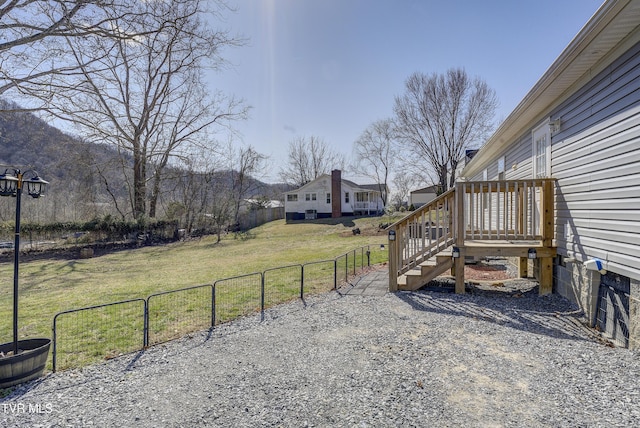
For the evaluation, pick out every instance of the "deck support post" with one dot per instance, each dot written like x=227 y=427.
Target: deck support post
x=548 y=214
x=546 y=276
x=523 y=267
x=393 y=264
x=458 y=266
x=459 y=237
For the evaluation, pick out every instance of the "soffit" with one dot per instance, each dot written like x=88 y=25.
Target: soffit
x=587 y=54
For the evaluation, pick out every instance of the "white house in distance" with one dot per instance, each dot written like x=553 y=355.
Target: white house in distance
x=331 y=196
x=422 y=196
x=580 y=125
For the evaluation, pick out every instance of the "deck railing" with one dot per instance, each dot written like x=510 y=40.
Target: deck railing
x=512 y=210
x=506 y=210
x=422 y=233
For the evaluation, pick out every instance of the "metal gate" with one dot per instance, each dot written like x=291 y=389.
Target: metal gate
x=613 y=308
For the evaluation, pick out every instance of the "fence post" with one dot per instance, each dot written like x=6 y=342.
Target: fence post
x=368 y=256
x=355 y=261
x=302 y=282
x=346 y=267
x=145 y=328
x=262 y=296
x=213 y=305
x=53 y=355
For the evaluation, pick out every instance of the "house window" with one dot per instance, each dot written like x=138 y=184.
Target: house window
x=292 y=198
x=346 y=197
x=310 y=197
x=328 y=198
x=541 y=152
x=501 y=169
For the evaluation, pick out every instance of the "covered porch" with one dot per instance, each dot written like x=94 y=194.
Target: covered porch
x=367 y=202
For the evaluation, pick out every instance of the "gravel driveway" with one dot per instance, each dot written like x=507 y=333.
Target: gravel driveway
x=397 y=360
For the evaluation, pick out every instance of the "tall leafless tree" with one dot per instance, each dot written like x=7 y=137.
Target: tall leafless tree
x=308 y=159
x=146 y=96
x=439 y=116
x=375 y=154
x=33 y=48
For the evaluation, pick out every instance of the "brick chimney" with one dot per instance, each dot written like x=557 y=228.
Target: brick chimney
x=336 y=193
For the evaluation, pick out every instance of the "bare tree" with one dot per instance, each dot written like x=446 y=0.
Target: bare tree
x=33 y=32
x=198 y=196
x=146 y=95
x=403 y=182
x=247 y=165
x=375 y=154
x=308 y=159
x=439 y=116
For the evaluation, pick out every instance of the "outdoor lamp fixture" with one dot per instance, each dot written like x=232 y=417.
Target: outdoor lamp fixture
x=12 y=184
x=455 y=252
x=532 y=254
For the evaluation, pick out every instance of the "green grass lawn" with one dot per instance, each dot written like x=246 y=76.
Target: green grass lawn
x=50 y=286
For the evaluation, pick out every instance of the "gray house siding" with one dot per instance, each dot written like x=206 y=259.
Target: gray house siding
x=595 y=158
x=613 y=91
x=517 y=161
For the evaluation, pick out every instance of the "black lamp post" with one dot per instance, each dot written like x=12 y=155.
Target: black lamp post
x=11 y=184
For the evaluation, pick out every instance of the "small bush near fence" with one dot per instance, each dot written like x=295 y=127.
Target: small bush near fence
x=82 y=336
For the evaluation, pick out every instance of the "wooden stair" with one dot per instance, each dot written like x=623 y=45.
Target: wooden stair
x=426 y=271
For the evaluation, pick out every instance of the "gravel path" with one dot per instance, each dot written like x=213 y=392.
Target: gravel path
x=397 y=360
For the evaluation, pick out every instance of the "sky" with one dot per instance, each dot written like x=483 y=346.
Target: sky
x=330 y=68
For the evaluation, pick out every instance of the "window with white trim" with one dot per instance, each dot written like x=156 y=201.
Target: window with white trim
x=310 y=197
x=541 y=151
x=292 y=198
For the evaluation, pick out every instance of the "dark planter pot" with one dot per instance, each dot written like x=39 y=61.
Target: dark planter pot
x=27 y=365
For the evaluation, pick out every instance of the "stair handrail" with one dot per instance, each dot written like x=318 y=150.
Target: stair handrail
x=407 y=251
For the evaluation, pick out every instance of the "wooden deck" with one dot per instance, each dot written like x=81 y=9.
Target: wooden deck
x=480 y=219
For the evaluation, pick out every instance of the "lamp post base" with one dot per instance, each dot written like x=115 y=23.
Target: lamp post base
x=27 y=365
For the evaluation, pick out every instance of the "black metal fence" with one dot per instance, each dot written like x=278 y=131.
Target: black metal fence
x=84 y=335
